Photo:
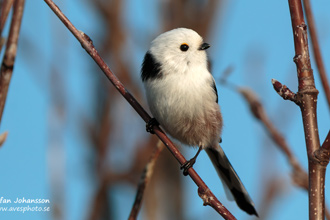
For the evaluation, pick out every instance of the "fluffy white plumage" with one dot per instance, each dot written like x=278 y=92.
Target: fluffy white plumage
x=182 y=97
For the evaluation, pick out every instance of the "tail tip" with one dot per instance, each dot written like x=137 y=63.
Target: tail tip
x=250 y=210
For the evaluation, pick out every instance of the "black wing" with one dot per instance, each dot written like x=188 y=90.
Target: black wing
x=215 y=90
x=150 y=67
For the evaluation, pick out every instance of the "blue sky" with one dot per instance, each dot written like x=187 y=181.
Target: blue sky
x=246 y=34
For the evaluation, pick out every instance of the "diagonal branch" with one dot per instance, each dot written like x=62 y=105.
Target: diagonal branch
x=3 y=137
x=5 y=7
x=299 y=175
x=203 y=191
x=7 y=65
x=4 y=11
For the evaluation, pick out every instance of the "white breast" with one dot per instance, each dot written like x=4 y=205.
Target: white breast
x=185 y=106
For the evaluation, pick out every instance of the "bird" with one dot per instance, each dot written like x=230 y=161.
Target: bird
x=183 y=99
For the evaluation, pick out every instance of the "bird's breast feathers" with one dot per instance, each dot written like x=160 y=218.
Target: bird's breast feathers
x=178 y=97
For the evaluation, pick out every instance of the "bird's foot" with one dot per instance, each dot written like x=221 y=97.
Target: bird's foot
x=150 y=124
x=188 y=164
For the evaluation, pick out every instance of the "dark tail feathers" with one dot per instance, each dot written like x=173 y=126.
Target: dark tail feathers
x=228 y=175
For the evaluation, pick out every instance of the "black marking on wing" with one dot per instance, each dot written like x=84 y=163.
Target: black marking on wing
x=150 y=67
x=215 y=90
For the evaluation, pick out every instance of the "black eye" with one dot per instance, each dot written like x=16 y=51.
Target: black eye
x=184 y=47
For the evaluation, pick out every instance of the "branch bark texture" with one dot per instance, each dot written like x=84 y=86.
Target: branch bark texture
x=203 y=191
x=316 y=50
x=7 y=65
x=306 y=98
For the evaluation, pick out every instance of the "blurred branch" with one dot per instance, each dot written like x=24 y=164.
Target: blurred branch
x=145 y=178
x=100 y=201
x=275 y=188
x=299 y=175
x=7 y=65
x=316 y=50
x=102 y=129
x=115 y=41
x=259 y=113
x=5 y=7
x=203 y=191
x=199 y=18
x=3 y=137
x=110 y=178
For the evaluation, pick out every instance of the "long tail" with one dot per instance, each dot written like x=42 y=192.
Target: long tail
x=228 y=176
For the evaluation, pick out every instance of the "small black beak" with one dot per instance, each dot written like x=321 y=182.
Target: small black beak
x=204 y=46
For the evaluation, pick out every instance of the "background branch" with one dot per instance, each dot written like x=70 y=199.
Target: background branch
x=299 y=175
x=144 y=180
x=3 y=138
x=316 y=50
x=5 y=7
x=7 y=65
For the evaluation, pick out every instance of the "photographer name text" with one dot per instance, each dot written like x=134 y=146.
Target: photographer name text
x=23 y=200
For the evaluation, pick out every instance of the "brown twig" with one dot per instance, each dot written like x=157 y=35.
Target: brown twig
x=326 y=143
x=3 y=138
x=284 y=91
x=203 y=191
x=144 y=180
x=275 y=188
x=7 y=66
x=5 y=8
x=316 y=50
x=306 y=98
x=259 y=112
x=299 y=175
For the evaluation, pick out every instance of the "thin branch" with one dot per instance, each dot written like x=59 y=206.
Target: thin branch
x=5 y=8
x=203 y=191
x=259 y=113
x=275 y=188
x=144 y=180
x=299 y=175
x=98 y=205
x=10 y=53
x=3 y=138
x=317 y=50
x=4 y=11
x=284 y=91
x=306 y=97
x=326 y=143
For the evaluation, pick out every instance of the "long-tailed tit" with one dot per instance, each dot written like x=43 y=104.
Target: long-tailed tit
x=183 y=98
